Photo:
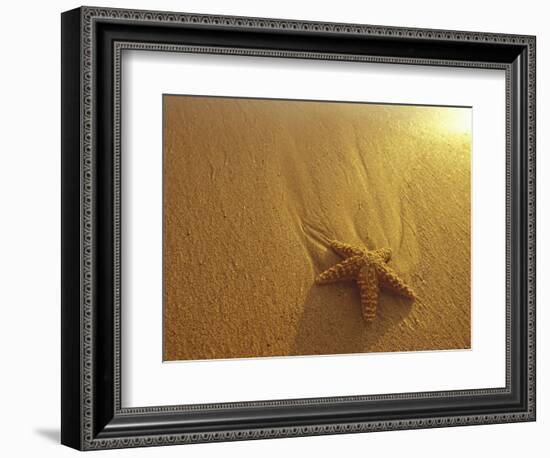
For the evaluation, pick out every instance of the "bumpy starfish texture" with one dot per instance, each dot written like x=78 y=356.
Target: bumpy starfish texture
x=370 y=270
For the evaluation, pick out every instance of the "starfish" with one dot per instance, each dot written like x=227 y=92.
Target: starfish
x=370 y=270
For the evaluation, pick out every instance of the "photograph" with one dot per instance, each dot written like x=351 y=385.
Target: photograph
x=308 y=227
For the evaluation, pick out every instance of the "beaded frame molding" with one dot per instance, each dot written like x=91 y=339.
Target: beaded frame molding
x=92 y=42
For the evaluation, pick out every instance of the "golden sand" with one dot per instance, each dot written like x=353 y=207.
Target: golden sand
x=254 y=190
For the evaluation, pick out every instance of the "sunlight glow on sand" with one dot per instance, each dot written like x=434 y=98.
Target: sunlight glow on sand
x=457 y=120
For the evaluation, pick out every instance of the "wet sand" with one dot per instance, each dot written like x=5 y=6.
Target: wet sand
x=253 y=191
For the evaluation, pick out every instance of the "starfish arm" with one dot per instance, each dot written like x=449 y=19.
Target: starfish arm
x=346 y=270
x=389 y=279
x=345 y=250
x=384 y=253
x=367 y=281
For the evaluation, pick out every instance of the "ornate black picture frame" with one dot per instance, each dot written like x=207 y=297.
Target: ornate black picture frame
x=92 y=41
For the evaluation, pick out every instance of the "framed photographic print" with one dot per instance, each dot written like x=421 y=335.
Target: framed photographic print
x=277 y=228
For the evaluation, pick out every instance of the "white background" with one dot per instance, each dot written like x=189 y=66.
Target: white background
x=29 y=242
x=147 y=76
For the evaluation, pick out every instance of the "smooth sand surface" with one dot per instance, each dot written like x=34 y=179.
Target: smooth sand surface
x=255 y=189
